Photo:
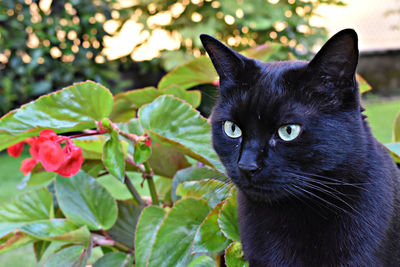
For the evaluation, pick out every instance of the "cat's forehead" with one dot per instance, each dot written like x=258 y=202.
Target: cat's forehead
x=273 y=90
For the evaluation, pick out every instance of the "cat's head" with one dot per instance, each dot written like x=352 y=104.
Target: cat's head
x=276 y=123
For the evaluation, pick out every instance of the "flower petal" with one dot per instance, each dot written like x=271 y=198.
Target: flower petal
x=16 y=150
x=73 y=161
x=27 y=165
x=51 y=155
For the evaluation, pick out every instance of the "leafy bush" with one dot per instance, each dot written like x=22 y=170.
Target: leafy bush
x=152 y=135
x=47 y=48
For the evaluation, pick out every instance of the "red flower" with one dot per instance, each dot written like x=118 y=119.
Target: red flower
x=50 y=155
x=16 y=150
x=148 y=140
x=27 y=165
x=46 y=148
x=72 y=162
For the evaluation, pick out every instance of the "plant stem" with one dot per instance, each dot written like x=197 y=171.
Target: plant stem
x=85 y=134
x=103 y=241
x=136 y=196
x=150 y=182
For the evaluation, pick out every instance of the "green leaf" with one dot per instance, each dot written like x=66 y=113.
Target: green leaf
x=396 y=128
x=75 y=256
x=26 y=208
x=146 y=230
x=182 y=128
x=40 y=247
x=123 y=230
x=234 y=256
x=126 y=103
x=57 y=230
x=132 y=126
x=163 y=188
x=263 y=52
x=174 y=240
x=15 y=240
x=85 y=202
x=228 y=217
x=37 y=177
x=74 y=108
x=114 y=259
x=142 y=153
x=93 y=167
x=211 y=190
x=363 y=84
x=209 y=237
x=394 y=150
x=194 y=174
x=197 y=71
x=114 y=157
x=92 y=149
x=202 y=261
x=165 y=161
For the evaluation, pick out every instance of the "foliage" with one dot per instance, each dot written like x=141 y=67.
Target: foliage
x=189 y=217
x=241 y=24
x=44 y=48
x=47 y=48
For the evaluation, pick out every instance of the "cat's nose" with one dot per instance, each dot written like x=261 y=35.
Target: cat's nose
x=249 y=169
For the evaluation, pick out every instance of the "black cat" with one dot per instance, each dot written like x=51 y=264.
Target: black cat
x=315 y=187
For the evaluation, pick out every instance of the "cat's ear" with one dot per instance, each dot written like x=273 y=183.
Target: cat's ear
x=228 y=63
x=338 y=58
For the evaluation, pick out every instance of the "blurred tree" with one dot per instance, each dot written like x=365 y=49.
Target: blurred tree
x=46 y=45
x=241 y=24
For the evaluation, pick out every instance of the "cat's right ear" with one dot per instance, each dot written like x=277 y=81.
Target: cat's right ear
x=228 y=63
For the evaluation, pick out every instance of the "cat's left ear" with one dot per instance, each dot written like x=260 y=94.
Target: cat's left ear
x=338 y=58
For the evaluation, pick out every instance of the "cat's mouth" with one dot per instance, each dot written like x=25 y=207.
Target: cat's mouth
x=266 y=193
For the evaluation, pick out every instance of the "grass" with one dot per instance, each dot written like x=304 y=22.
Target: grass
x=380 y=115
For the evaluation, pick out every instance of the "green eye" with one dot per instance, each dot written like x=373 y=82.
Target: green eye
x=232 y=130
x=289 y=132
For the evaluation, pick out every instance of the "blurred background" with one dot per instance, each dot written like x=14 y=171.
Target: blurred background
x=46 y=45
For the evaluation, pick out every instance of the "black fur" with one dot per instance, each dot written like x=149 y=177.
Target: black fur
x=327 y=198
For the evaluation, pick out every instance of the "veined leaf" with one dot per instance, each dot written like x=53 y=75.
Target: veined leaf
x=174 y=240
x=194 y=174
x=14 y=240
x=57 y=230
x=197 y=71
x=126 y=103
x=85 y=202
x=211 y=190
x=75 y=256
x=114 y=259
x=124 y=228
x=234 y=256
x=74 y=108
x=165 y=161
x=114 y=157
x=209 y=237
x=26 y=208
x=182 y=128
x=146 y=230
x=202 y=261
x=228 y=217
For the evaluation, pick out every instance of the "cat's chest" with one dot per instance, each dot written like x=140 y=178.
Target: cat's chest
x=272 y=240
